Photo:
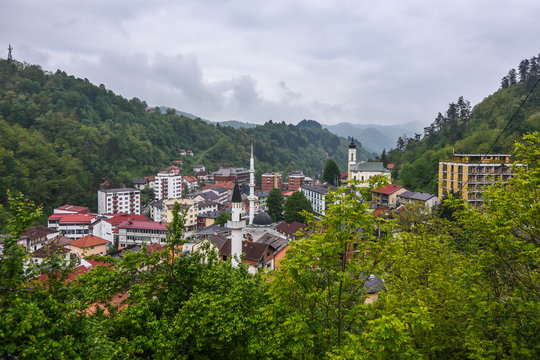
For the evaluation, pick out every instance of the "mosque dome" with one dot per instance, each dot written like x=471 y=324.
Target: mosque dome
x=262 y=219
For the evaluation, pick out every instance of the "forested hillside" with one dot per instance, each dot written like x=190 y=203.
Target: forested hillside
x=62 y=137
x=463 y=130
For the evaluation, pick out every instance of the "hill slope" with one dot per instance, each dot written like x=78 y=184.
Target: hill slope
x=62 y=137
x=464 y=131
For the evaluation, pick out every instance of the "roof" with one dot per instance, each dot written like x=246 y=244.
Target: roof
x=218 y=240
x=416 y=195
x=73 y=208
x=37 y=232
x=387 y=189
x=196 y=166
x=375 y=166
x=205 y=203
x=236 y=197
x=275 y=242
x=87 y=241
x=140 y=181
x=119 y=190
x=352 y=145
x=60 y=239
x=143 y=225
x=190 y=178
x=290 y=229
x=317 y=189
x=262 y=219
x=49 y=250
x=73 y=218
x=119 y=218
x=373 y=284
x=210 y=214
x=254 y=251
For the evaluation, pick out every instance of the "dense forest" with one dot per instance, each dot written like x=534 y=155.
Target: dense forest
x=465 y=130
x=63 y=137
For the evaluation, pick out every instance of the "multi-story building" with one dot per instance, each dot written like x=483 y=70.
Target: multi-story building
x=73 y=226
x=133 y=232
x=296 y=179
x=271 y=181
x=168 y=184
x=317 y=197
x=165 y=213
x=471 y=174
x=124 y=200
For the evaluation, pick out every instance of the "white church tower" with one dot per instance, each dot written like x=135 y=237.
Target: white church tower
x=352 y=158
x=236 y=225
x=251 y=196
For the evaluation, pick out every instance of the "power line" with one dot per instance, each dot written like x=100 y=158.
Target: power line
x=502 y=131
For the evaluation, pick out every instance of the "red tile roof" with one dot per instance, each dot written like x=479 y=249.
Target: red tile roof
x=87 y=241
x=119 y=218
x=387 y=189
x=229 y=185
x=74 y=218
x=290 y=229
x=146 y=225
x=190 y=178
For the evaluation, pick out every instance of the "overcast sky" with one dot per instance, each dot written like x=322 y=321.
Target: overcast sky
x=383 y=62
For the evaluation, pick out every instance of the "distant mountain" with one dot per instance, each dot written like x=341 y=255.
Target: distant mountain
x=375 y=137
x=232 y=123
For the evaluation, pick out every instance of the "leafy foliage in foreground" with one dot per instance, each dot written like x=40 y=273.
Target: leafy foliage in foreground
x=463 y=286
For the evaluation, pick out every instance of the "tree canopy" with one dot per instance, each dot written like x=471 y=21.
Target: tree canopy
x=294 y=206
x=331 y=173
x=275 y=204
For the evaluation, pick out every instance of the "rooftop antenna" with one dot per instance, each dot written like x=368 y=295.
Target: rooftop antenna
x=9 y=57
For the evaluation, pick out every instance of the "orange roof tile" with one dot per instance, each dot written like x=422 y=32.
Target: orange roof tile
x=87 y=241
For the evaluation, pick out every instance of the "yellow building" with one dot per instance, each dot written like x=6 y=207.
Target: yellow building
x=89 y=245
x=471 y=174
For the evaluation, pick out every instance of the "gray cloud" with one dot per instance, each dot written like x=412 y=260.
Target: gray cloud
x=358 y=61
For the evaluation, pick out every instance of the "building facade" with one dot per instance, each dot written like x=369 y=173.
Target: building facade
x=168 y=184
x=317 y=197
x=296 y=179
x=141 y=232
x=271 y=181
x=124 y=200
x=471 y=174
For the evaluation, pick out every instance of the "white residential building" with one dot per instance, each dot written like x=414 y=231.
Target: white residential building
x=141 y=232
x=124 y=200
x=168 y=184
x=317 y=197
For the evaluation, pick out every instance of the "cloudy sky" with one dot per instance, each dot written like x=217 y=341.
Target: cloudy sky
x=383 y=62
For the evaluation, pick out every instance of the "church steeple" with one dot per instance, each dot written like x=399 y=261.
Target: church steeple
x=352 y=158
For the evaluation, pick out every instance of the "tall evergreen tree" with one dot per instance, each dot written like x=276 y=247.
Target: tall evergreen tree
x=296 y=203
x=275 y=204
x=331 y=173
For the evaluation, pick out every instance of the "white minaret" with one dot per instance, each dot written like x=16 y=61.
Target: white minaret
x=236 y=225
x=352 y=157
x=251 y=196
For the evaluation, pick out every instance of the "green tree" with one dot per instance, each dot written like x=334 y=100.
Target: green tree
x=318 y=292
x=295 y=204
x=331 y=173
x=222 y=218
x=275 y=204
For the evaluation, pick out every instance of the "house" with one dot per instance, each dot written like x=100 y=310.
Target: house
x=50 y=250
x=182 y=152
x=262 y=197
x=205 y=177
x=89 y=245
x=207 y=218
x=37 y=236
x=141 y=232
x=123 y=200
x=317 y=197
x=191 y=182
x=189 y=153
x=232 y=174
x=418 y=198
x=256 y=255
x=386 y=195
x=289 y=230
x=205 y=206
x=60 y=240
x=140 y=183
x=165 y=213
x=197 y=168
